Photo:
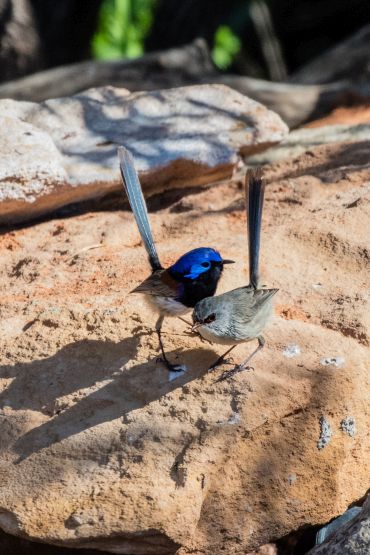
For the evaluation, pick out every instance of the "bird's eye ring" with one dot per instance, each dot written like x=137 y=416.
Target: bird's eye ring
x=206 y=264
x=210 y=318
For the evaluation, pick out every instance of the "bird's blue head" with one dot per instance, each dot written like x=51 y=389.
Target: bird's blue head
x=197 y=272
x=197 y=262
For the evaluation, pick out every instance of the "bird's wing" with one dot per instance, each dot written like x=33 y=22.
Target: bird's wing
x=159 y=284
x=261 y=296
x=247 y=301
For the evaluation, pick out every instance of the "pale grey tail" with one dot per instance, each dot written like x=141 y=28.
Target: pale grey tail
x=255 y=191
x=136 y=199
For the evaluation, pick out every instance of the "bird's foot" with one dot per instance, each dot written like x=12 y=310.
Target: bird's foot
x=238 y=368
x=171 y=367
x=220 y=361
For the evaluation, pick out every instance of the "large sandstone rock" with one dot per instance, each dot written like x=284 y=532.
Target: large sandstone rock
x=64 y=150
x=100 y=449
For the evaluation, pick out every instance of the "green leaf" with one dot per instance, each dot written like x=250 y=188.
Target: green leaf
x=122 y=28
x=225 y=46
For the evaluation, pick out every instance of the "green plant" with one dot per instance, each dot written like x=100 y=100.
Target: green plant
x=123 y=26
x=226 y=46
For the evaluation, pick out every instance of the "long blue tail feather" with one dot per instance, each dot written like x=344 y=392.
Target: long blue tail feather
x=136 y=199
x=254 y=190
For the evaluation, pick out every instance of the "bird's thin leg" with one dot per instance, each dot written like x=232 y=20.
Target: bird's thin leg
x=221 y=359
x=171 y=367
x=244 y=364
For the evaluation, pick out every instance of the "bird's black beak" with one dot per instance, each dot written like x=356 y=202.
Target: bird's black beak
x=228 y=261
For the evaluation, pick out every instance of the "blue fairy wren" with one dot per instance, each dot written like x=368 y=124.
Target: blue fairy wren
x=240 y=315
x=176 y=290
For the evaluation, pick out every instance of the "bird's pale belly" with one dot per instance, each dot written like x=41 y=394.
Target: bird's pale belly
x=209 y=335
x=166 y=305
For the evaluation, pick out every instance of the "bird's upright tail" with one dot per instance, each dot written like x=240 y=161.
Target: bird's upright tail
x=254 y=190
x=136 y=199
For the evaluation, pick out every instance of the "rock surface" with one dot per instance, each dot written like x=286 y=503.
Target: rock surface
x=64 y=150
x=353 y=115
x=99 y=449
x=351 y=539
x=304 y=139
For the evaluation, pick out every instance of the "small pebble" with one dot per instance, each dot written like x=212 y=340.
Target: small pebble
x=234 y=419
x=317 y=286
x=348 y=426
x=325 y=433
x=174 y=375
x=332 y=361
x=291 y=351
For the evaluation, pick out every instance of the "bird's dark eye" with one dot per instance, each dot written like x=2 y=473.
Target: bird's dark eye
x=210 y=318
x=206 y=264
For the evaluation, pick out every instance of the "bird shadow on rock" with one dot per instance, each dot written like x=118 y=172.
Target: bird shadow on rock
x=86 y=384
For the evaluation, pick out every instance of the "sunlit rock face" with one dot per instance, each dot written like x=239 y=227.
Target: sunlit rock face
x=64 y=150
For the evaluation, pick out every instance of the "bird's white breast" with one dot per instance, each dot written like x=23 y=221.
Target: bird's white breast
x=166 y=305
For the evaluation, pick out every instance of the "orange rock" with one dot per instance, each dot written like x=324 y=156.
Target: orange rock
x=100 y=450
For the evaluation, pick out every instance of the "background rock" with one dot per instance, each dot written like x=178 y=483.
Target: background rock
x=302 y=140
x=100 y=450
x=19 y=41
x=64 y=150
x=351 y=539
x=347 y=60
x=190 y=64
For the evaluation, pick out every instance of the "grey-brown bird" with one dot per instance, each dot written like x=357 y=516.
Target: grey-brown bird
x=240 y=315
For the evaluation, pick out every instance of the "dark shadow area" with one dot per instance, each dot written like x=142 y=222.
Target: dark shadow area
x=79 y=365
x=110 y=202
x=39 y=384
x=11 y=545
x=150 y=542
x=298 y=542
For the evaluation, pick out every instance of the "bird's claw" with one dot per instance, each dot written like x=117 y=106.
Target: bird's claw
x=238 y=368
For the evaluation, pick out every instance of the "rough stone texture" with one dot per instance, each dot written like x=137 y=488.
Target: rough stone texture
x=268 y=549
x=351 y=539
x=64 y=150
x=353 y=115
x=100 y=450
x=304 y=139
